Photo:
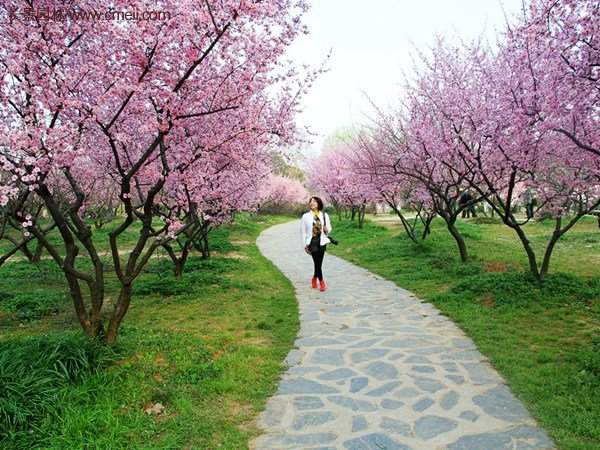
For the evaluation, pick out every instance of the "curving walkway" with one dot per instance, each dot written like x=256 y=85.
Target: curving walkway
x=376 y=368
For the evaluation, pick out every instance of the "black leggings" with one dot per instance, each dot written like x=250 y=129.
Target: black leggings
x=318 y=260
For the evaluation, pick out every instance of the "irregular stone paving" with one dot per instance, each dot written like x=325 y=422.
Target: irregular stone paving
x=376 y=368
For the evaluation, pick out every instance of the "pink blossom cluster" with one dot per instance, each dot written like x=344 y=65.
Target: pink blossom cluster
x=277 y=190
x=502 y=122
x=170 y=119
x=335 y=174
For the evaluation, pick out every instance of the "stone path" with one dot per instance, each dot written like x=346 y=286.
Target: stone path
x=376 y=368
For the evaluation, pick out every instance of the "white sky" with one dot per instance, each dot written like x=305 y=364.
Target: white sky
x=372 y=42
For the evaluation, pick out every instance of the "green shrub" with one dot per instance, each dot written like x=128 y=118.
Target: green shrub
x=590 y=364
x=518 y=288
x=198 y=274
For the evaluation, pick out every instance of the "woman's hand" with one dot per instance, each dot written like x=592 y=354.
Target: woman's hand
x=306 y=249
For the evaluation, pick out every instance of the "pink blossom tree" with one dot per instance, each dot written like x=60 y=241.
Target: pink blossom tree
x=488 y=105
x=376 y=155
x=334 y=174
x=119 y=99
x=279 y=193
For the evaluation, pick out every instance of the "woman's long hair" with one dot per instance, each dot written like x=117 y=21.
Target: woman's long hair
x=319 y=202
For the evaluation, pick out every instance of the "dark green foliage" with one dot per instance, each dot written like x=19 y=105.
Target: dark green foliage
x=198 y=274
x=589 y=360
x=34 y=372
x=24 y=270
x=35 y=304
x=521 y=289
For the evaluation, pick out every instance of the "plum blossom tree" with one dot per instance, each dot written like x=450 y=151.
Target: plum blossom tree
x=334 y=174
x=278 y=193
x=559 y=42
x=376 y=159
x=120 y=99
x=488 y=106
x=502 y=122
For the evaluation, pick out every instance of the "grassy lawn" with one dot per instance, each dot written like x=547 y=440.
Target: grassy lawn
x=207 y=347
x=544 y=339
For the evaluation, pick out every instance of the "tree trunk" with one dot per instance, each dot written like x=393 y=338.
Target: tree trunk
x=549 y=248
x=533 y=265
x=37 y=255
x=361 y=216
x=178 y=268
x=427 y=225
x=458 y=238
x=204 y=247
x=410 y=231
x=118 y=313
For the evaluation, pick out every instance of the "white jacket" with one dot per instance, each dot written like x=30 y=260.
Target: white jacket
x=306 y=224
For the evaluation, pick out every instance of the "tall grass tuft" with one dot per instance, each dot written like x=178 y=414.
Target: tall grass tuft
x=33 y=371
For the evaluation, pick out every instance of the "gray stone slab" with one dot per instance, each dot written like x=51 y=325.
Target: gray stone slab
x=422 y=404
x=431 y=426
x=294 y=357
x=351 y=403
x=311 y=419
x=480 y=374
x=328 y=356
x=500 y=403
x=374 y=441
x=387 y=403
x=417 y=359
x=530 y=438
x=308 y=402
x=407 y=392
x=385 y=389
x=457 y=379
x=430 y=350
x=303 y=439
x=449 y=400
x=404 y=343
x=423 y=369
x=316 y=342
x=359 y=423
x=467 y=355
x=381 y=370
x=396 y=426
x=304 y=386
x=337 y=374
x=274 y=412
x=429 y=385
x=367 y=355
x=356 y=384
x=496 y=441
x=469 y=415
x=364 y=344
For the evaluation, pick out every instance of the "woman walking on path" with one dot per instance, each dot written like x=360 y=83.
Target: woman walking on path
x=315 y=226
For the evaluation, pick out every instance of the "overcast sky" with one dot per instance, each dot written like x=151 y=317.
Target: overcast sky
x=372 y=43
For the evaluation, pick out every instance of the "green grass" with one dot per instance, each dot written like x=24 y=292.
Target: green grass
x=208 y=347
x=544 y=339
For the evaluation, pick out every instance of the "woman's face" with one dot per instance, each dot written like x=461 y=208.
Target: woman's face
x=313 y=204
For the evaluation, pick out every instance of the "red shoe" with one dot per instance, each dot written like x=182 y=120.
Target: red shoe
x=314 y=282
x=323 y=286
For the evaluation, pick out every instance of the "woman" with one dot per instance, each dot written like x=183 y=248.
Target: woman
x=315 y=226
